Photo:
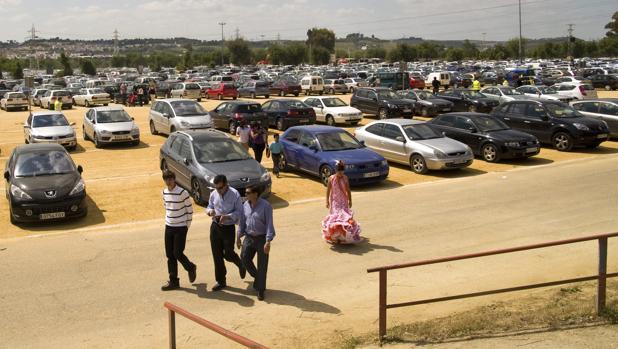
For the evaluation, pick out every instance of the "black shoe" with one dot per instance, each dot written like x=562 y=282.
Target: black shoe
x=192 y=274
x=171 y=285
x=242 y=270
x=261 y=295
x=218 y=286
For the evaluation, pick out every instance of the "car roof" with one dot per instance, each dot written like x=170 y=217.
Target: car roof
x=204 y=134
x=51 y=112
x=400 y=122
x=241 y=102
x=285 y=100
x=35 y=147
x=316 y=128
x=468 y=114
x=115 y=107
x=614 y=100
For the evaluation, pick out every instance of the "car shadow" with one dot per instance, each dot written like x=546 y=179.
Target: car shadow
x=124 y=146
x=531 y=161
x=78 y=149
x=95 y=216
x=277 y=201
x=369 y=187
x=363 y=247
x=459 y=173
x=599 y=150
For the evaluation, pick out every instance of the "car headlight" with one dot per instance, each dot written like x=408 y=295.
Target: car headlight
x=265 y=177
x=19 y=194
x=512 y=144
x=439 y=154
x=135 y=129
x=581 y=127
x=349 y=167
x=392 y=106
x=185 y=124
x=78 y=188
x=383 y=163
x=210 y=179
x=104 y=132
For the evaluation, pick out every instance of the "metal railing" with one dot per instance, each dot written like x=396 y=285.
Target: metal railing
x=173 y=309
x=601 y=276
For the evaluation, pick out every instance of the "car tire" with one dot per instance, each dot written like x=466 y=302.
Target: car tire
x=279 y=124
x=135 y=143
x=608 y=88
x=489 y=152
x=267 y=96
x=296 y=94
x=321 y=93
x=330 y=121
x=153 y=129
x=86 y=103
x=12 y=217
x=325 y=173
x=199 y=99
x=105 y=104
x=85 y=135
x=196 y=191
x=95 y=139
x=172 y=130
x=382 y=114
x=72 y=148
x=232 y=127
x=562 y=141
x=281 y=94
x=234 y=98
x=283 y=163
x=252 y=95
x=418 y=164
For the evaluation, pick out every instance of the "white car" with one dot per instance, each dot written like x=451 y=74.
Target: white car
x=50 y=127
x=14 y=100
x=49 y=98
x=576 y=91
x=543 y=92
x=354 y=83
x=35 y=96
x=91 y=96
x=333 y=110
x=106 y=125
x=189 y=90
x=169 y=115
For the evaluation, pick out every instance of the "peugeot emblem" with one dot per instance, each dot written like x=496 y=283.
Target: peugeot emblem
x=50 y=193
x=244 y=179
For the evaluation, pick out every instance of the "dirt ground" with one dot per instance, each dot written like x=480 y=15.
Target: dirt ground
x=120 y=178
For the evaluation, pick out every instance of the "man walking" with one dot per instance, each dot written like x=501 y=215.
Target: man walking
x=275 y=148
x=436 y=85
x=257 y=228
x=178 y=216
x=225 y=208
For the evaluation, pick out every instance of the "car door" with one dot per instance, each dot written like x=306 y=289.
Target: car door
x=468 y=132
x=373 y=136
x=266 y=108
x=178 y=150
x=28 y=129
x=291 y=146
x=166 y=117
x=536 y=122
x=318 y=108
x=217 y=117
x=155 y=115
x=515 y=114
x=88 y=127
x=308 y=153
x=393 y=143
x=609 y=113
x=372 y=102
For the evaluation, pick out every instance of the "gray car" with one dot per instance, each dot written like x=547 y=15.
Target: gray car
x=50 y=127
x=503 y=93
x=605 y=109
x=414 y=143
x=173 y=114
x=106 y=125
x=196 y=157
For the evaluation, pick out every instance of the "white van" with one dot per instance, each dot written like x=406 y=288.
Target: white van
x=221 y=78
x=444 y=77
x=312 y=84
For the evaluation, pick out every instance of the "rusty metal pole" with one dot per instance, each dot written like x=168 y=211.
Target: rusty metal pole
x=172 y=325
x=382 y=315
x=602 y=276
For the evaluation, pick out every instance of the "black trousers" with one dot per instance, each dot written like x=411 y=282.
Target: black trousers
x=258 y=150
x=222 y=238
x=175 y=240
x=276 y=158
x=251 y=246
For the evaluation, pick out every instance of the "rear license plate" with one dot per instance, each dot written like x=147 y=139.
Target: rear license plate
x=52 y=215
x=531 y=150
x=304 y=120
x=407 y=110
x=371 y=174
x=602 y=135
x=457 y=162
x=446 y=109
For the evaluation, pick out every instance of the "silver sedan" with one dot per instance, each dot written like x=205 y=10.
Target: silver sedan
x=50 y=127
x=105 y=125
x=414 y=143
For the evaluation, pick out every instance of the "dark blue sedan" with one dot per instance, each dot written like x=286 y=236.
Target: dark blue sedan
x=315 y=149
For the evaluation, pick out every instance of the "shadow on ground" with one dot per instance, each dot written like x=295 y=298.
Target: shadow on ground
x=95 y=216
x=362 y=248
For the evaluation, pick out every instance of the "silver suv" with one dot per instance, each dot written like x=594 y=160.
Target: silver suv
x=188 y=90
x=169 y=115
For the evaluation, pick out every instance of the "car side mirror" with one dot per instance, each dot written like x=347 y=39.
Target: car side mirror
x=400 y=139
x=80 y=169
x=375 y=99
x=72 y=124
x=26 y=126
x=186 y=161
x=362 y=142
x=166 y=115
x=314 y=148
x=472 y=129
x=132 y=118
x=7 y=176
x=444 y=133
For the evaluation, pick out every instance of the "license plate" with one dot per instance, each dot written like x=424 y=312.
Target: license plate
x=122 y=138
x=446 y=109
x=602 y=135
x=531 y=150
x=51 y=215
x=407 y=110
x=304 y=120
x=371 y=174
x=460 y=161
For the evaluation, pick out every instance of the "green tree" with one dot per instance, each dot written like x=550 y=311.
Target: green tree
x=66 y=65
x=240 y=53
x=260 y=54
x=612 y=26
x=320 y=55
x=454 y=54
x=321 y=37
x=429 y=50
x=277 y=54
x=18 y=73
x=376 y=52
x=469 y=49
x=295 y=54
x=88 y=67
x=187 y=59
x=403 y=52
x=119 y=61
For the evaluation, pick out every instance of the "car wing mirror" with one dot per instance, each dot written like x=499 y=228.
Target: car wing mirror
x=314 y=148
x=132 y=118
x=362 y=142
x=7 y=175
x=400 y=139
x=80 y=169
x=166 y=115
x=472 y=129
x=186 y=161
x=72 y=124
x=26 y=126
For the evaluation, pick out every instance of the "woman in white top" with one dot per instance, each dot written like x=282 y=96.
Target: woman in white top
x=243 y=131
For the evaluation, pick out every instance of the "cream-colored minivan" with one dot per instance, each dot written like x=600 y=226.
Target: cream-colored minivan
x=312 y=84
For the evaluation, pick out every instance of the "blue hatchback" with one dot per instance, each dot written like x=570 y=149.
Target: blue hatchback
x=315 y=149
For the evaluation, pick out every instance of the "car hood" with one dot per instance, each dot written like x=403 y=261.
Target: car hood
x=592 y=123
x=401 y=102
x=511 y=136
x=52 y=131
x=36 y=186
x=235 y=170
x=353 y=156
x=444 y=144
x=482 y=100
x=196 y=119
x=115 y=126
x=436 y=101
x=342 y=109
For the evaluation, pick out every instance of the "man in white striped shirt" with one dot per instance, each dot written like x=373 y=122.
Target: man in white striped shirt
x=178 y=216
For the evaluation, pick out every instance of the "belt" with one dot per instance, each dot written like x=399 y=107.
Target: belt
x=257 y=235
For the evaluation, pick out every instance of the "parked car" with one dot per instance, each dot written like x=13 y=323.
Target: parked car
x=553 y=123
x=332 y=110
x=607 y=81
x=576 y=91
x=43 y=183
x=14 y=100
x=315 y=149
x=35 y=96
x=106 y=125
x=468 y=100
x=425 y=103
x=253 y=89
x=572 y=80
x=50 y=127
x=334 y=86
x=488 y=136
x=503 y=93
x=284 y=87
x=605 y=109
x=228 y=115
x=163 y=88
x=49 y=98
x=417 y=81
x=312 y=85
x=222 y=90
x=549 y=93
x=381 y=101
x=91 y=96
x=173 y=114
x=414 y=143
x=196 y=157
x=188 y=90
x=283 y=113
x=354 y=83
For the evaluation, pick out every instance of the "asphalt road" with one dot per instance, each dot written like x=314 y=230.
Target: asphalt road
x=99 y=287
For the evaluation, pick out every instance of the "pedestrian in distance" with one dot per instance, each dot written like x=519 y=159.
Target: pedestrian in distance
x=243 y=131
x=259 y=139
x=178 y=216
x=123 y=93
x=140 y=96
x=436 y=85
x=275 y=148
x=476 y=84
x=255 y=234
x=225 y=208
x=57 y=104
x=339 y=226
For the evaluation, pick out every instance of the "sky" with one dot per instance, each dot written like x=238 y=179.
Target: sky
x=290 y=19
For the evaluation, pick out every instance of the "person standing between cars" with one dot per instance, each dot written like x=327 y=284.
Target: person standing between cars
x=225 y=208
x=275 y=149
x=436 y=85
x=151 y=89
x=339 y=226
x=505 y=82
x=178 y=216
x=58 y=104
x=123 y=93
x=243 y=131
x=476 y=84
x=259 y=139
x=140 y=96
x=256 y=230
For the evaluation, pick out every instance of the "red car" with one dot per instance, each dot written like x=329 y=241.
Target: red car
x=417 y=81
x=221 y=91
x=284 y=87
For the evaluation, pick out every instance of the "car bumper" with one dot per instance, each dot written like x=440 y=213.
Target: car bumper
x=16 y=105
x=450 y=163
x=590 y=138
x=299 y=121
x=65 y=142
x=100 y=101
x=372 y=175
x=348 y=119
x=36 y=212
x=118 y=139
x=523 y=152
x=400 y=113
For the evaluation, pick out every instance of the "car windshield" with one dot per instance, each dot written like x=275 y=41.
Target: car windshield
x=192 y=87
x=486 y=124
x=560 y=110
x=61 y=93
x=548 y=90
x=219 y=151
x=473 y=94
x=187 y=108
x=340 y=140
x=44 y=163
x=424 y=95
x=109 y=116
x=297 y=104
x=49 y=120
x=510 y=92
x=420 y=132
x=388 y=95
x=333 y=102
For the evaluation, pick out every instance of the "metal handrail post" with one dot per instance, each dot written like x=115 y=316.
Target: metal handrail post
x=601 y=285
x=382 y=306
x=172 y=326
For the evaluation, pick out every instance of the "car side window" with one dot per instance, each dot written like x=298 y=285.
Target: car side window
x=362 y=93
x=267 y=105
x=446 y=120
x=177 y=145
x=518 y=109
x=90 y=115
x=608 y=109
x=306 y=139
x=275 y=106
x=591 y=107
x=157 y=106
x=292 y=136
x=372 y=95
x=221 y=107
x=165 y=108
x=392 y=131
x=185 y=150
x=535 y=111
x=464 y=123
x=376 y=129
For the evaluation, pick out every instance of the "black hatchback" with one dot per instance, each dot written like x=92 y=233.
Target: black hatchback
x=554 y=123
x=43 y=183
x=284 y=113
x=488 y=137
x=468 y=100
x=228 y=115
x=383 y=102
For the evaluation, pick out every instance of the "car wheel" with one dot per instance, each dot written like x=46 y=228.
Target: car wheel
x=135 y=143
x=173 y=129
x=306 y=92
x=382 y=114
x=85 y=135
x=220 y=96
x=418 y=164
x=12 y=217
x=325 y=173
x=196 y=191
x=490 y=153
x=283 y=163
x=153 y=130
x=280 y=125
x=608 y=88
x=562 y=141
x=95 y=139
x=105 y=104
x=321 y=93
x=252 y=95
x=232 y=128
x=296 y=94
x=26 y=141
x=281 y=94
x=234 y=98
x=424 y=112
x=267 y=96
x=330 y=121
x=199 y=99
x=472 y=108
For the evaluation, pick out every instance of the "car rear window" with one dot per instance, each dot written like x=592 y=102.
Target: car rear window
x=17 y=95
x=229 y=86
x=249 y=108
x=261 y=84
x=192 y=87
x=61 y=93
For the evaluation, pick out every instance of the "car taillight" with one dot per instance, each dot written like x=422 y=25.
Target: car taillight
x=184 y=93
x=94 y=97
x=237 y=116
x=53 y=98
x=292 y=112
x=582 y=90
x=311 y=112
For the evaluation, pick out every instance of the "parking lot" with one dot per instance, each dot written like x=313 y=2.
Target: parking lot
x=124 y=183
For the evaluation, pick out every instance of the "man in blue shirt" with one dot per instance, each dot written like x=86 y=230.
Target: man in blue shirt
x=225 y=208
x=256 y=226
